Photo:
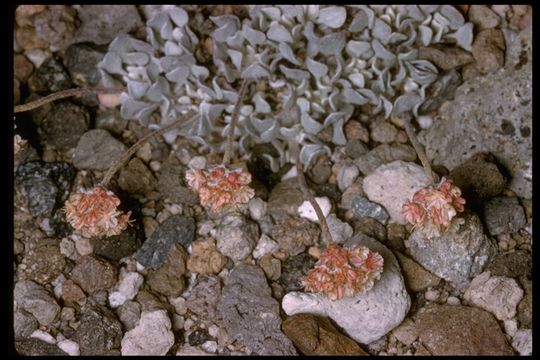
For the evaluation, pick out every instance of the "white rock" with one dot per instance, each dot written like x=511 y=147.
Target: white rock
x=406 y=332
x=179 y=304
x=340 y=231
x=37 y=56
x=308 y=212
x=265 y=246
x=127 y=289
x=70 y=347
x=257 y=208
x=213 y=330
x=499 y=295
x=83 y=245
x=392 y=184
x=44 y=336
x=292 y=173
x=510 y=327
x=188 y=324
x=425 y=121
x=364 y=317
x=67 y=248
x=197 y=163
x=152 y=336
x=452 y=300
x=347 y=176
x=522 y=342
x=116 y=299
x=432 y=295
x=209 y=346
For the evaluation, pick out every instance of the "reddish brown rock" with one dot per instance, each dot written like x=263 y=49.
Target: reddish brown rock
x=72 y=294
x=169 y=279
x=205 y=257
x=460 y=330
x=27 y=39
x=519 y=16
x=483 y=17
x=354 y=130
x=22 y=68
x=316 y=335
x=93 y=274
x=488 y=50
x=25 y=13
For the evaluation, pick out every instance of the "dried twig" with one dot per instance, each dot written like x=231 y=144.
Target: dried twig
x=295 y=154
x=62 y=95
x=418 y=148
x=133 y=149
x=234 y=118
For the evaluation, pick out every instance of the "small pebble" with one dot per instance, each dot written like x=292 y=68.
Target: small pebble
x=452 y=300
x=42 y=335
x=213 y=330
x=109 y=100
x=197 y=163
x=70 y=347
x=510 y=327
x=432 y=295
x=425 y=121
x=178 y=322
x=209 y=346
x=155 y=165
x=188 y=324
x=314 y=252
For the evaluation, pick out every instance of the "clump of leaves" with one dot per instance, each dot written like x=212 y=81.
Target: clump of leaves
x=344 y=272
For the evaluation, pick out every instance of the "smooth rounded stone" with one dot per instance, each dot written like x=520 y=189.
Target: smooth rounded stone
x=204 y=297
x=136 y=178
x=171 y=183
x=52 y=76
x=384 y=154
x=355 y=148
x=210 y=346
x=394 y=183
x=169 y=278
x=250 y=314
x=111 y=120
x=503 y=215
x=37 y=301
x=483 y=17
x=152 y=336
x=316 y=335
x=118 y=246
x=70 y=347
x=176 y=229
x=284 y=199
x=294 y=234
x=93 y=274
x=99 y=330
x=100 y=24
x=362 y=207
x=43 y=262
x=432 y=295
x=97 y=150
x=180 y=305
x=264 y=247
x=479 y=177
x=365 y=317
x=307 y=211
x=460 y=330
x=205 y=257
x=321 y=170
x=236 y=236
x=497 y=294
x=271 y=267
x=36 y=347
x=524 y=309
x=383 y=132
x=416 y=277
x=340 y=231
x=81 y=61
x=346 y=176
x=257 y=208
x=24 y=324
x=129 y=314
x=294 y=269
x=522 y=342
x=456 y=256
x=127 y=289
x=47 y=185
x=445 y=57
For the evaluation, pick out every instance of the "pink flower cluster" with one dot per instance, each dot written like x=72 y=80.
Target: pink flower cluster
x=219 y=186
x=344 y=272
x=94 y=213
x=433 y=208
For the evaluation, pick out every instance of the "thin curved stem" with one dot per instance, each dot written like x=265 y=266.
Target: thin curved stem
x=418 y=148
x=62 y=95
x=295 y=153
x=234 y=118
x=133 y=149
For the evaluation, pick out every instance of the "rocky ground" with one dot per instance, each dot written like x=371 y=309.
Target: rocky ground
x=183 y=280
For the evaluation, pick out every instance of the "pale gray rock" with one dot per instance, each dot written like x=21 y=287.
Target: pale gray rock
x=36 y=300
x=362 y=207
x=284 y=199
x=384 y=154
x=153 y=335
x=236 y=236
x=364 y=317
x=24 y=324
x=340 y=230
x=346 y=176
x=522 y=342
x=97 y=150
x=503 y=215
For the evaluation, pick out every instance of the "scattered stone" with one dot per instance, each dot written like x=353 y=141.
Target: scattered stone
x=445 y=57
x=406 y=332
x=452 y=300
x=93 y=274
x=250 y=313
x=118 y=246
x=355 y=148
x=365 y=317
x=383 y=132
x=36 y=347
x=97 y=150
x=432 y=295
x=307 y=211
x=522 y=342
x=339 y=230
x=81 y=61
x=271 y=267
x=24 y=324
x=520 y=17
x=488 y=50
x=169 y=278
x=70 y=347
x=136 y=178
x=176 y=229
x=284 y=199
x=72 y=294
x=525 y=306
x=153 y=335
x=43 y=262
x=354 y=130
x=347 y=176
x=127 y=289
x=483 y=17
x=100 y=24
x=51 y=76
x=236 y=236
x=362 y=207
x=504 y=215
x=205 y=258
x=198 y=337
x=510 y=327
x=171 y=183
x=24 y=14
x=460 y=330
x=37 y=301
x=321 y=170
x=416 y=277
x=392 y=184
x=129 y=314
x=294 y=269
x=22 y=68
x=111 y=121
x=294 y=234
x=99 y=331
x=204 y=297
x=265 y=246
x=384 y=154
x=497 y=294
x=355 y=190
x=210 y=346
x=57 y=25
x=316 y=335
x=458 y=255
x=257 y=208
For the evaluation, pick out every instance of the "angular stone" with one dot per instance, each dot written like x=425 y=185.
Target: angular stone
x=236 y=236
x=522 y=342
x=285 y=198
x=52 y=76
x=511 y=264
x=483 y=17
x=81 y=61
x=445 y=57
x=204 y=297
x=504 y=215
x=205 y=258
x=97 y=150
x=294 y=235
x=384 y=154
x=33 y=347
x=43 y=263
x=37 y=301
x=93 y=274
x=118 y=246
x=64 y=125
x=24 y=324
x=169 y=278
x=362 y=207
x=153 y=335
x=479 y=177
x=136 y=178
x=294 y=270
x=339 y=230
x=416 y=277
x=99 y=331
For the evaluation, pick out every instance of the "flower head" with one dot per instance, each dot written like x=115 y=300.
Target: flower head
x=219 y=186
x=433 y=209
x=94 y=212
x=344 y=272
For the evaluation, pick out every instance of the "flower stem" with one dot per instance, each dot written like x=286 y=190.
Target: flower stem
x=418 y=148
x=62 y=95
x=133 y=149
x=234 y=118
x=295 y=153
